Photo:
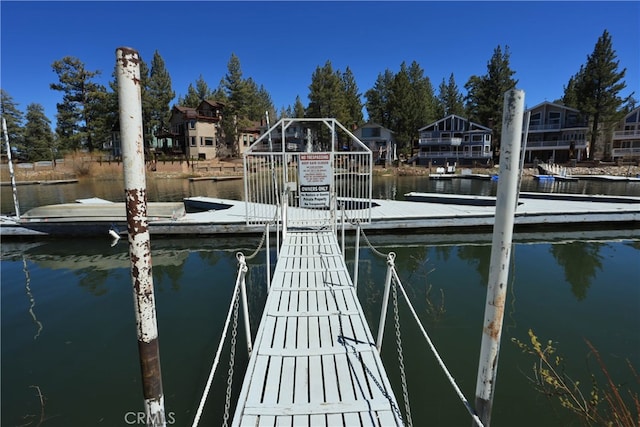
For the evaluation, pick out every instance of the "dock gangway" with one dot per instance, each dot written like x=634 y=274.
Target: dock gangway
x=314 y=360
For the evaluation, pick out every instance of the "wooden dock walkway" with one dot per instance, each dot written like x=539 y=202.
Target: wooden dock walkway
x=314 y=360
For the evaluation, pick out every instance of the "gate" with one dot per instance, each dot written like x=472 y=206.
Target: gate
x=305 y=173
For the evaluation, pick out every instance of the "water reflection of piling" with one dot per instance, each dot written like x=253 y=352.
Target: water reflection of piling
x=32 y=301
x=129 y=98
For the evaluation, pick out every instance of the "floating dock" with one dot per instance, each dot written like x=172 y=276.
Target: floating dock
x=428 y=212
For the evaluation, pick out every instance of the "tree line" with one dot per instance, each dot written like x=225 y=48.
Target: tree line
x=403 y=101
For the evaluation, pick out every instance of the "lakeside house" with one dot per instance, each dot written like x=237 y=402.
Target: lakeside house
x=556 y=134
x=454 y=140
x=625 y=144
x=196 y=132
x=380 y=140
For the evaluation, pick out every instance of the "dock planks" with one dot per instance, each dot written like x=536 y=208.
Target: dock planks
x=314 y=360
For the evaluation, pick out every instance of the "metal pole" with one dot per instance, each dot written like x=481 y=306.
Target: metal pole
x=14 y=187
x=129 y=98
x=500 y=252
x=357 y=260
x=385 y=299
x=342 y=226
x=245 y=305
x=268 y=251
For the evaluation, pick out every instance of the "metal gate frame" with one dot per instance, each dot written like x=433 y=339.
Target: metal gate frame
x=272 y=181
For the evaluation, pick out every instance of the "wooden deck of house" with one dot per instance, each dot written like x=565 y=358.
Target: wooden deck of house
x=314 y=360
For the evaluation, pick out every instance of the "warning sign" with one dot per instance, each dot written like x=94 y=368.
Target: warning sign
x=315 y=176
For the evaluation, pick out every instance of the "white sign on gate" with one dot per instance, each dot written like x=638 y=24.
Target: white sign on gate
x=315 y=176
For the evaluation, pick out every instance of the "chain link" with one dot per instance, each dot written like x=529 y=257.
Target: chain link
x=403 y=377
x=234 y=333
x=343 y=340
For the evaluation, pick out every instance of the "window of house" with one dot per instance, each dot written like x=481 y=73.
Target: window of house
x=208 y=142
x=476 y=138
x=192 y=124
x=371 y=132
x=535 y=119
x=193 y=141
x=554 y=117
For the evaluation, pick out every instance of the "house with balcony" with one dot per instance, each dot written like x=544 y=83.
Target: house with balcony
x=454 y=140
x=380 y=140
x=195 y=132
x=248 y=135
x=297 y=137
x=556 y=134
x=625 y=142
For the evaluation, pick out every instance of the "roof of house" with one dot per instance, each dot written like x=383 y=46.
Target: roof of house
x=544 y=103
x=472 y=125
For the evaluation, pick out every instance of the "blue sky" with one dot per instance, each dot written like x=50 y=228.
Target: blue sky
x=280 y=44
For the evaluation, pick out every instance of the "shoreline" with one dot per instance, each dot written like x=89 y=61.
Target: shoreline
x=68 y=171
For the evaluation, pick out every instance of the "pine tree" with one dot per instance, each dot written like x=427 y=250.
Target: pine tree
x=353 y=104
x=38 y=137
x=597 y=89
x=485 y=94
x=191 y=99
x=377 y=99
x=195 y=95
x=298 y=109
x=326 y=93
x=160 y=94
x=13 y=116
x=80 y=94
x=237 y=92
x=422 y=98
x=450 y=100
x=259 y=102
x=402 y=108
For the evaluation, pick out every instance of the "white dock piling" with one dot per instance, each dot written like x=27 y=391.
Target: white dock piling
x=129 y=98
x=506 y=199
x=14 y=188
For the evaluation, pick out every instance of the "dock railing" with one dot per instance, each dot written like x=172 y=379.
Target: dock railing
x=303 y=184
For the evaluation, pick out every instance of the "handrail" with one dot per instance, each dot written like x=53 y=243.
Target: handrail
x=216 y=359
x=392 y=275
x=452 y=381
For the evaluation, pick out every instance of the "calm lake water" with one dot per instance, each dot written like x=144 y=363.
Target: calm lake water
x=68 y=326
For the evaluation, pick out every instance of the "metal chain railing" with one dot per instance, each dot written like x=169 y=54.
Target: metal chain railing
x=452 y=381
x=232 y=357
x=403 y=377
x=343 y=341
x=239 y=288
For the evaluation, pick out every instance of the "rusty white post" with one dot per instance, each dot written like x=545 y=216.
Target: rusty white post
x=129 y=98
x=500 y=252
x=14 y=188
